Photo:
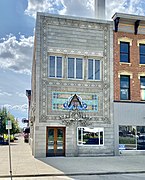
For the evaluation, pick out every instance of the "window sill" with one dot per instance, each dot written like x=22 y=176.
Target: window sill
x=55 y=77
x=122 y=63
x=74 y=79
x=140 y=65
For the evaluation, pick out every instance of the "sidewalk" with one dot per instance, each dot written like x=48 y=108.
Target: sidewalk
x=25 y=165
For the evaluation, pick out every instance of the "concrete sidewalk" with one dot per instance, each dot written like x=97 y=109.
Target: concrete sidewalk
x=25 y=165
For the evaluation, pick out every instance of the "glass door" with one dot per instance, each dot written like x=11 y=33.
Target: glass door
x=55 y=142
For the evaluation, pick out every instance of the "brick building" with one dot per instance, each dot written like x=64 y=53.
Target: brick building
x=129 y=79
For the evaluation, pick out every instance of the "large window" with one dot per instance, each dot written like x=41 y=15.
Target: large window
x=124 y=52
x=55 y=66
x=124 y=87
x=90 y=136
x=93 y=69
x=75 y=68
x=142 y=53
x=132 y=137
x=142 y=87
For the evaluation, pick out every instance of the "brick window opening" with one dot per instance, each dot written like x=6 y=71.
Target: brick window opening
x=124 y=52
x=142 y=53
x=124 y=87
x=142 y=87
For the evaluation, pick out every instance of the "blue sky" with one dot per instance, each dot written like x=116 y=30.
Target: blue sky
x=17 y=24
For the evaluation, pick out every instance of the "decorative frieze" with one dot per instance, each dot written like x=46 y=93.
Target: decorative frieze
x=76 y=117
x=73 y=23
x=80 y=52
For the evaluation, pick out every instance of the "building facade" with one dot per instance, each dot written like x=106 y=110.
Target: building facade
x=72 y=87
x=129 y=81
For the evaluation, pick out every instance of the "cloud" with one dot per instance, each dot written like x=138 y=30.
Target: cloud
x=22 y=107
x=84 y=7
x=43 y=6
x=5 y=93
x=16 y=55
x=71 y=7
x=125 y=6
x=21 y=94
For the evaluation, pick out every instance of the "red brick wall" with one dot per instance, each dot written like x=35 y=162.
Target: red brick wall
x=134 y=68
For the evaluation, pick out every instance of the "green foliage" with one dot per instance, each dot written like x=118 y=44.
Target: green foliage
x=4 y=116
x=127 y=140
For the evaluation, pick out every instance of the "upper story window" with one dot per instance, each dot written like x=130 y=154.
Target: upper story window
x=94 y=69
x=142 y=87
x=142 y=53
x=124 y=87
x=124 y=52
x=75 y=68
x=55 y=66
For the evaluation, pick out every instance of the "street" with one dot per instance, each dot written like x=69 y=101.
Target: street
x=86 y=177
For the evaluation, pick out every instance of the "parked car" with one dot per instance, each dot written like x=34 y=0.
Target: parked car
x=3 y=141
x=141 y=142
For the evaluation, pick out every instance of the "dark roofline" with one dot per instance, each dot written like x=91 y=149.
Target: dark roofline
x=128 y=16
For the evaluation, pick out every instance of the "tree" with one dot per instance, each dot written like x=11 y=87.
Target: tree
x=4 y=116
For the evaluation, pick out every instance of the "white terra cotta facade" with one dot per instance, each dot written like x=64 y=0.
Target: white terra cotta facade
x=72 y=87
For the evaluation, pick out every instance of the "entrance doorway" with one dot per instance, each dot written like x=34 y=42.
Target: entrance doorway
x=55 y=141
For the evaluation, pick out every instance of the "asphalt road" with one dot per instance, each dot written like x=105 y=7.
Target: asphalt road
x=112 y=177
x=140 y=176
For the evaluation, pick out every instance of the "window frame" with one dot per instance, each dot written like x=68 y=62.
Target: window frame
x=135 y=134
x=141 y=54
x=56 y=66
x=75 y=68
x=125 y=53
x=142 y=89
x=94 y=59
x=125 y=88
x=100 y=129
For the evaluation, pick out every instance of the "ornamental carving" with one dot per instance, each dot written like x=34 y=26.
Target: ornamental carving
x=75 y=117
x=73 y=23
x=71 y=51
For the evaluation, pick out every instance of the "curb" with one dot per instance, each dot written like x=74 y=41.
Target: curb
x=74 y=174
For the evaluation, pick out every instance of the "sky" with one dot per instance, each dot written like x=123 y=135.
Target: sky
x=17 y=27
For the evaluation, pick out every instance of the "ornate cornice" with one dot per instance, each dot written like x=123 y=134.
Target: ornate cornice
x=76 y=23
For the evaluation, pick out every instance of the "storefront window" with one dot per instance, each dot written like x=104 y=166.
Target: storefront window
x=90 y=136
x=132 y=137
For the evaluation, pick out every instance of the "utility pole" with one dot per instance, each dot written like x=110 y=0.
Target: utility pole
x=8 y=127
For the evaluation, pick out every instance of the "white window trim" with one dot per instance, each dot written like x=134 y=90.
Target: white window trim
x=55 y=65
x=125 y=73
x=140 y=41
x=125 y=39
x=75 y=67
x=94 y=69
x=97 y=145
x=141 y=74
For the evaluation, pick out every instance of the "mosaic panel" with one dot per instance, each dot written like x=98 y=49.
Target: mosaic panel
x=59 y=98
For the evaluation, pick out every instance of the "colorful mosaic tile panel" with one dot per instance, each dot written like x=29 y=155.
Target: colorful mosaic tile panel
x=59 y=98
